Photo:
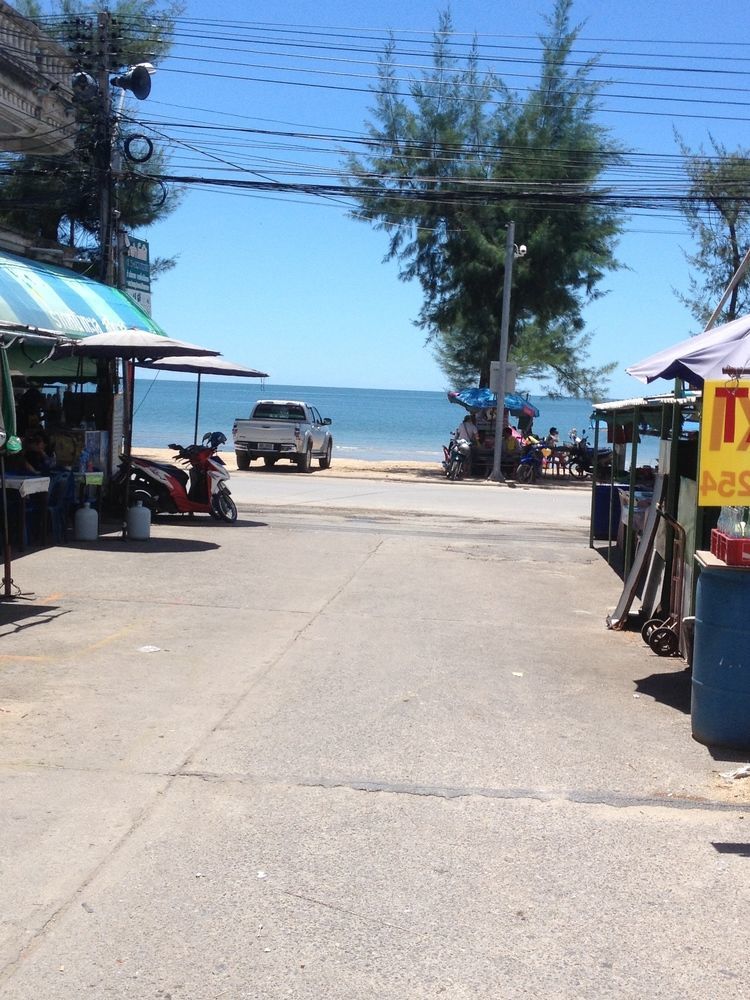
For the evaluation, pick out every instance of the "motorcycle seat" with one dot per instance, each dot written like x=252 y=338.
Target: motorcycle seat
x=173 y=470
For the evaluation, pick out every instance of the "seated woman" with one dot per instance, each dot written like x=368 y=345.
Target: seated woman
x=511 y=448
x=34 y=460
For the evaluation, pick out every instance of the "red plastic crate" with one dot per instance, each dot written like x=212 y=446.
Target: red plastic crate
x=732 y=551
x=737 y=552
x=715 y=542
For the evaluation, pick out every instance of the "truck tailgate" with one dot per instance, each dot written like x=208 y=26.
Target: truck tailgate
x=260 y=432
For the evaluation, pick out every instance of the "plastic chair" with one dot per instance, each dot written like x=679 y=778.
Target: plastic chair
x=60 y=499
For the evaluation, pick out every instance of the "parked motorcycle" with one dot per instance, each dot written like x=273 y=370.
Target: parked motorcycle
x=581 y=458
x=530 y=465
x=456 y=458
x=166 y=489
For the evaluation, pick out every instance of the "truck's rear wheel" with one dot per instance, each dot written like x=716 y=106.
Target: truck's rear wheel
x=304 y=464
x=243 y=460
x=325 y=461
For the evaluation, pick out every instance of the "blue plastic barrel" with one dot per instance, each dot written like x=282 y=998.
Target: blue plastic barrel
x=607 y=509
x=720 y=701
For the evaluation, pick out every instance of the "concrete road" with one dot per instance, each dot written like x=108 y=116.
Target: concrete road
x=326 y=755
x=548 y=503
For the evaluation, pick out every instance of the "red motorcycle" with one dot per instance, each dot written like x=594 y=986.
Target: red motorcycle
x=167 y=489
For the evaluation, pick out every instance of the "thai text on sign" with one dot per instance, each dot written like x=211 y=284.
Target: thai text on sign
x=724 y=473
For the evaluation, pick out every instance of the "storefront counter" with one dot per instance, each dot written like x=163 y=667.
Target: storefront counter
x=27 y=486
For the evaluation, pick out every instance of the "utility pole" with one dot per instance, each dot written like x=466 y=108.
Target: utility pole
x=497 y=474
x=104 y=150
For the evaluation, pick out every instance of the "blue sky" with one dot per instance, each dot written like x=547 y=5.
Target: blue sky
x=291 y=285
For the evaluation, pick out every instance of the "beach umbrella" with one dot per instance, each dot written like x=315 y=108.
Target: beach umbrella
x=203 y=365
x=699 y=358
x=474 y=399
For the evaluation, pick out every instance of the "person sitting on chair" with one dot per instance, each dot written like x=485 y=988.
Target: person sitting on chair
x=510 y=441
x=467 y=429
x=36 y=455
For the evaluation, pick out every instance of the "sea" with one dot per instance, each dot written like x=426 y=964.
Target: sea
x=367 y=424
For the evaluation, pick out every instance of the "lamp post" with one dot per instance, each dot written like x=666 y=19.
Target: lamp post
x=510 y=250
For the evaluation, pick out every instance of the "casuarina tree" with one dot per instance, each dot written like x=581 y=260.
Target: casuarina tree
x=717 y=212
x=455 y=154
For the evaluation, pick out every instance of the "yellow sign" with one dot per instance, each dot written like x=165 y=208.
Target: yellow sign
x=724 y=474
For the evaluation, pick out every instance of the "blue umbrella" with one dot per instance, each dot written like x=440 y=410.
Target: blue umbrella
x=474 y=399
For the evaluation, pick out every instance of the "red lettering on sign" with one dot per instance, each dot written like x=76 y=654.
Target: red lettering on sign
x=730 y=395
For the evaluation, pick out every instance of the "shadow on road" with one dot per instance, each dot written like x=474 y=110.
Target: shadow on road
x=741 y=850
x=670 y=688
x=115 y=543
x=16 y=617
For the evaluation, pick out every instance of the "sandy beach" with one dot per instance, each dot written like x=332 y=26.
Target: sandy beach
x=359 y=469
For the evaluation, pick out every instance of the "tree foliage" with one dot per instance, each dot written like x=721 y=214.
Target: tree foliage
x=454 y=157
x=58 y=198
x=717 y=212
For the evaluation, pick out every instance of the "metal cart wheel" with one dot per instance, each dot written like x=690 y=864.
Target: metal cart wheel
x=664 y=641
x=648 y=629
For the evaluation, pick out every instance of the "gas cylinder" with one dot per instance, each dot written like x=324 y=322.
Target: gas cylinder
x=86 y=524
x=139 y=521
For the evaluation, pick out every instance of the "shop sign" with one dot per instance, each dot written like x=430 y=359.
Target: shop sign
x=724 y=472
x=138 y=272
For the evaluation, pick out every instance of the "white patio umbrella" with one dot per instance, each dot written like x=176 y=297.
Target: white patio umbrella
x=204 y=365
x=132 y=345
x=701 y=357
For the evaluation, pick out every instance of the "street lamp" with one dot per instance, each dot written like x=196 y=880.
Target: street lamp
x=512 y=252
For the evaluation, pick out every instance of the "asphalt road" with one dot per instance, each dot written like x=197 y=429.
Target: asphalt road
x=333 y=754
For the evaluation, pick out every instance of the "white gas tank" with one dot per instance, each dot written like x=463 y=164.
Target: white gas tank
x=139 y=521
x=86 y=524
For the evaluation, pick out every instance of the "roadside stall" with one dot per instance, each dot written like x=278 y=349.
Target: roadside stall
x=77 y=401
x=74 y=402
x=483 y=404
x=645 y=512
x=706 y=474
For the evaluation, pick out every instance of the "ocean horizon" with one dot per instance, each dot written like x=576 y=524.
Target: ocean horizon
x=368 y=424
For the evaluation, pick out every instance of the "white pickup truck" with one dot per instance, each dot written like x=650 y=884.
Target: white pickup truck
x=279 y=428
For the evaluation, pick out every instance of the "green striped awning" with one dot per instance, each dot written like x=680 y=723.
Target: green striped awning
x=38 y=295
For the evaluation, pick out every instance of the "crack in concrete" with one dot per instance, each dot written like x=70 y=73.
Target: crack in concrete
x=592 y=797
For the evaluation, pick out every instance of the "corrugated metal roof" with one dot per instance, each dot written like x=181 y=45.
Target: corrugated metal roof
x=647 y=402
